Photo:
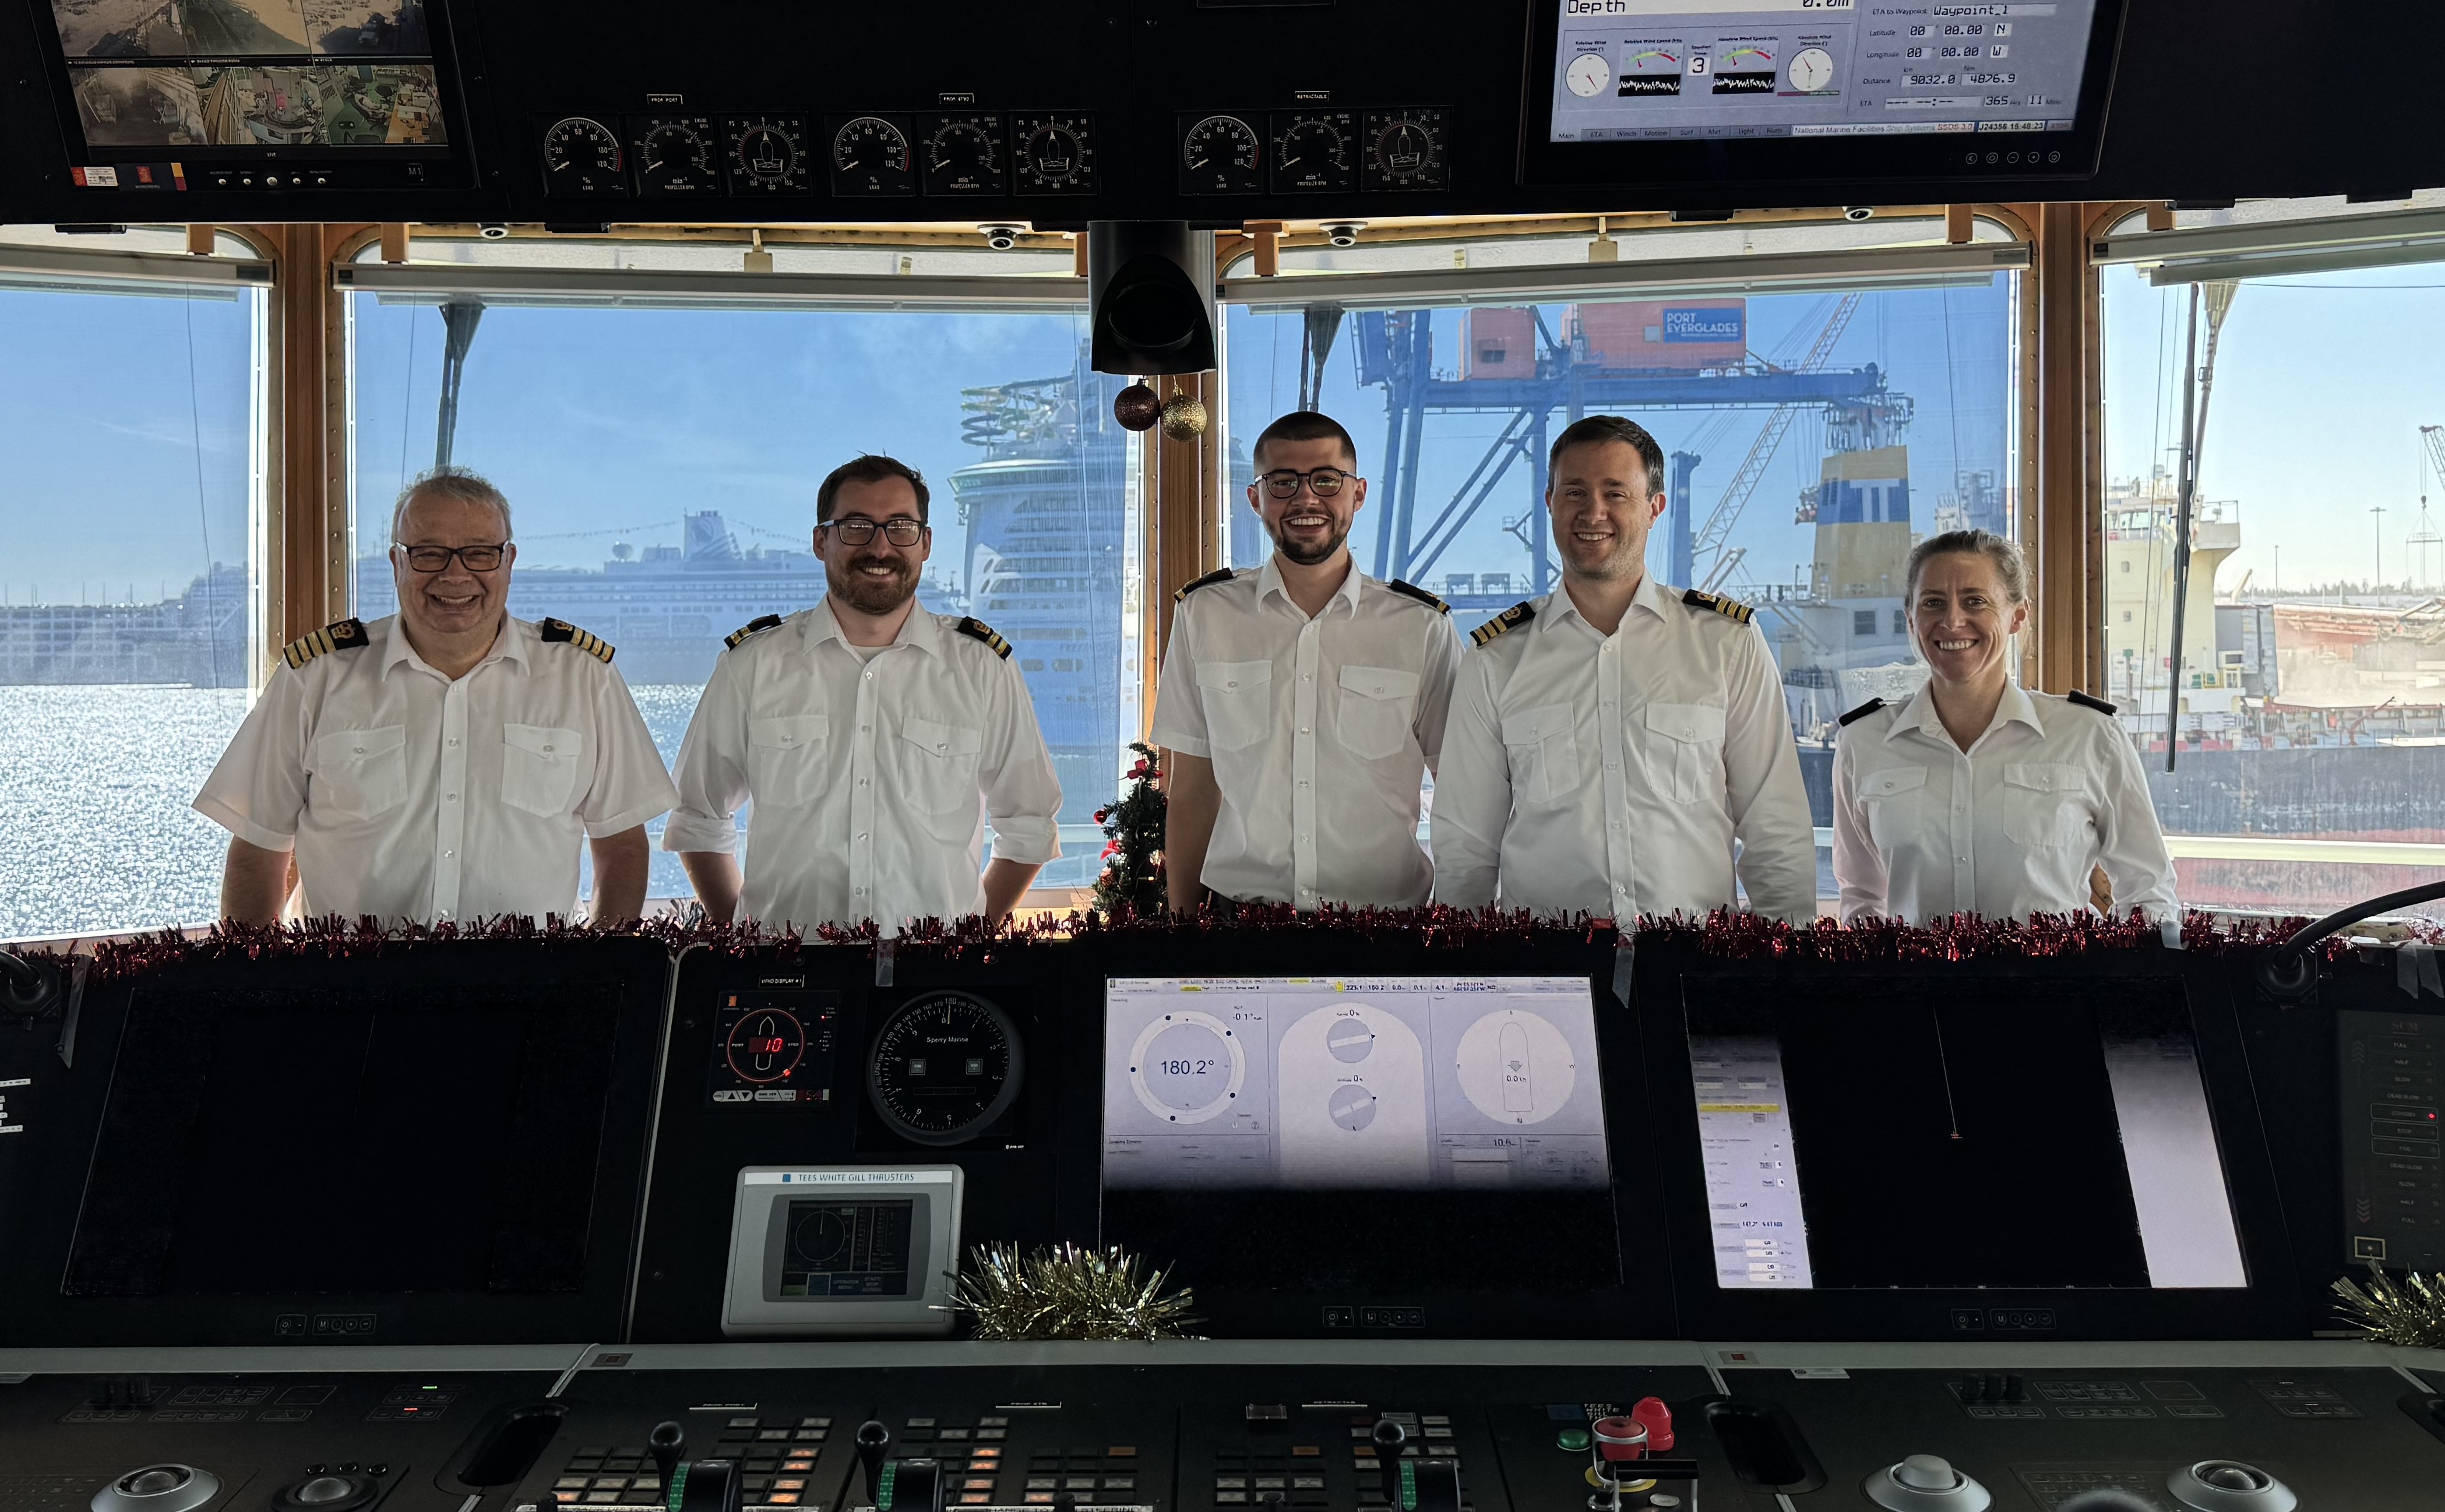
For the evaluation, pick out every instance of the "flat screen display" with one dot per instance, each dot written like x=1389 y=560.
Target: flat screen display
x=1467 y=1083
x=848 y=1249
x=1714 y=70
x=2024 y=1135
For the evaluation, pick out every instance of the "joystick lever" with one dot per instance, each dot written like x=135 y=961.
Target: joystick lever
x=873 y=1442
x=667 y=1443
x=1389 y=1439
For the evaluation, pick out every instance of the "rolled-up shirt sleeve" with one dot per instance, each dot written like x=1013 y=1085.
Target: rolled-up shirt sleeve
x=630 y=783
x=1764 y=791
x=1179 y=708
x=711 y=777
x=1472 y=792
x=257 y=791
x=1859 y=872
x=2132 y=843
x=1023 y=794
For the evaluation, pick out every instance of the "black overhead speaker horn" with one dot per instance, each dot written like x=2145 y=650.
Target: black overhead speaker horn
x=1149 y=308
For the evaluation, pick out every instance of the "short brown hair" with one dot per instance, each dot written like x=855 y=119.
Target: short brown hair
x=1305 y=426
x=1595 y=430
x=872 y=467
x=2009 y=564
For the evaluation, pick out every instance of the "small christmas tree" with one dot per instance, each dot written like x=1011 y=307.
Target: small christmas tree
x=1131 y=883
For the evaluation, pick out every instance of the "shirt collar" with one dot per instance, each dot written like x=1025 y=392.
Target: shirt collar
x=1919 y=713
x=1651 y=595
x=920 y=629
x=514 y=642
x=1269 y=583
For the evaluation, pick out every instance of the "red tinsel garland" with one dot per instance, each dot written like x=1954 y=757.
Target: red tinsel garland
x=1731 y=936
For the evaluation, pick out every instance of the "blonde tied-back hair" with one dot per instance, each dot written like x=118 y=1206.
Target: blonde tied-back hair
x=2009 y=564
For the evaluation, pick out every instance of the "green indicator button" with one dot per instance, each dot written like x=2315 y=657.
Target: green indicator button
x=1573 y=1441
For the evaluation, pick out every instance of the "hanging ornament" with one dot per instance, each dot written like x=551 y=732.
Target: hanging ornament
x=1184 y=416
x=1136 y=407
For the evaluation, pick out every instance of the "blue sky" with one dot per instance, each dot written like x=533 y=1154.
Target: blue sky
x=123 y=419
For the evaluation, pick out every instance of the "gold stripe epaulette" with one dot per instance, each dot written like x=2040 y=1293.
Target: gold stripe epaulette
x=586 y=641
x=340 y=635
x=1505 y=623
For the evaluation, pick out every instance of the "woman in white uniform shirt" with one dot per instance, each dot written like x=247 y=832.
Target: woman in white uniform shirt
x=1974 y=796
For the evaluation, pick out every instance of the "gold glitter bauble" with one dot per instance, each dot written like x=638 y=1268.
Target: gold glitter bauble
x=1184 y=416
x=1136 y=407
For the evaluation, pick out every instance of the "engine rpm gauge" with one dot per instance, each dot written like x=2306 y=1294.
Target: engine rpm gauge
x=1404 y=150
x=674 y=156
x=582 y=156
x=965 y=155
x=944 y=1067
x=872 y=158
x=1057 y=154
x=1220 y=154
x=1312 y=151
x=766 y=155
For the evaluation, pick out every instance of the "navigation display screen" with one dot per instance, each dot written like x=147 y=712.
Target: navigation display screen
x=847 y=1249
x=1356 y=1083
x=2020 y=1136
x=1707 y=70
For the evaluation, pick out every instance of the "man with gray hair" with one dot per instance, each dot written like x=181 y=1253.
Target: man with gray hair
x=443 y=763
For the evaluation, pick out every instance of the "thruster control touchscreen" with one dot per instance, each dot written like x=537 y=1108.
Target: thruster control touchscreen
x=1406 y=1082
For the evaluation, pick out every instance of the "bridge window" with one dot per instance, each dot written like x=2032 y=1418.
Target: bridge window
x=131 y=602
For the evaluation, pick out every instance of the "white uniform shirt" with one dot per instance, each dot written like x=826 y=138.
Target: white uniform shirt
x=407 y=795
x=1612 y=773
x=871 y=778
x=1319 y=729
x=2012 y=826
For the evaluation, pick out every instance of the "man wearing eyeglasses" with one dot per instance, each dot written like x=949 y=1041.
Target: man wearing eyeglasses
x=872 y=737
x=443 y=763
x=1302 y=702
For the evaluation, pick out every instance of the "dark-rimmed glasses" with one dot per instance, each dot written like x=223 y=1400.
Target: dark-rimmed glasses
x=1323 y=482
x=856 y=531
x=436 y=558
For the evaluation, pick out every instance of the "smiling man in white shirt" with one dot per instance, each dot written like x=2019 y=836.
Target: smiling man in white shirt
x=1621 y=748
x=1302 y=702
x=872 y=737
x=443 y=763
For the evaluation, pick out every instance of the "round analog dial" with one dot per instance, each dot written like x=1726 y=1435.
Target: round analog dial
x=1588 y=75
x=1056 y=155
x=964 y=156
x=1404 y=150
x=1313 y=152
x=1221 y=154
x=675 y=157
x=765 y=1046
x=1812 y=68
x=944 y=1067
x=582 y=156
x=870 y=156
x=765 y=154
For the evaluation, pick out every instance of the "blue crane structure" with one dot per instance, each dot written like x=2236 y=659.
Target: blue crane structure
x=1395 y=351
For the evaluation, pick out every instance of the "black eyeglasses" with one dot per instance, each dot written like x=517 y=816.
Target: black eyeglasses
x=436 y=558
x=855 y=531
x=1323 y=482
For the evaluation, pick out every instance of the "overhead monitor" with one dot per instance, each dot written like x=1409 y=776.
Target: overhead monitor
x=2031 y=1139
x=1822 y=89
x=1288 y=1130
x=262 y=95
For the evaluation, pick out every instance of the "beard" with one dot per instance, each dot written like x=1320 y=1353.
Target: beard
x=1624 y=559
x=1309 y=556
x=872 y=595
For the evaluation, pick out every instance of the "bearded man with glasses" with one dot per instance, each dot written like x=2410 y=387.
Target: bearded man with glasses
x=1302 y=702
x=443 y=763
x=872 y=737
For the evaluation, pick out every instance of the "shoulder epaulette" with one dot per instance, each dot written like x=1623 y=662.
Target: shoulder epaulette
x=1413 y=591
x=1220 y=574
x=340 y=635
x=1862 y=711
x=1732 y=609
x=586 y=641
x=2089 y=700
x=1510 y=619
x=979 y=630
x=754 y=627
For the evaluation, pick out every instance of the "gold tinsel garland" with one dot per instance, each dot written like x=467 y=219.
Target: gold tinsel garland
x=2411 y=1312
x=1068 y=1291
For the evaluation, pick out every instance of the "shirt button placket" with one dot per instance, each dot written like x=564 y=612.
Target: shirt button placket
x=451 y=824
x=860 y=803
x=1619 y=863
x=1304 y=703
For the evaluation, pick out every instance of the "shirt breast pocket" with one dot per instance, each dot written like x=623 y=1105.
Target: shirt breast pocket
x=539 y=766
x=1684 y=750
x=785 y=758
x=360 y=773
x=938 y=764
x=1377 y=704
x=1543 y=745
x=1239 y=699
x=2046 y=804
x=1896 y=799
